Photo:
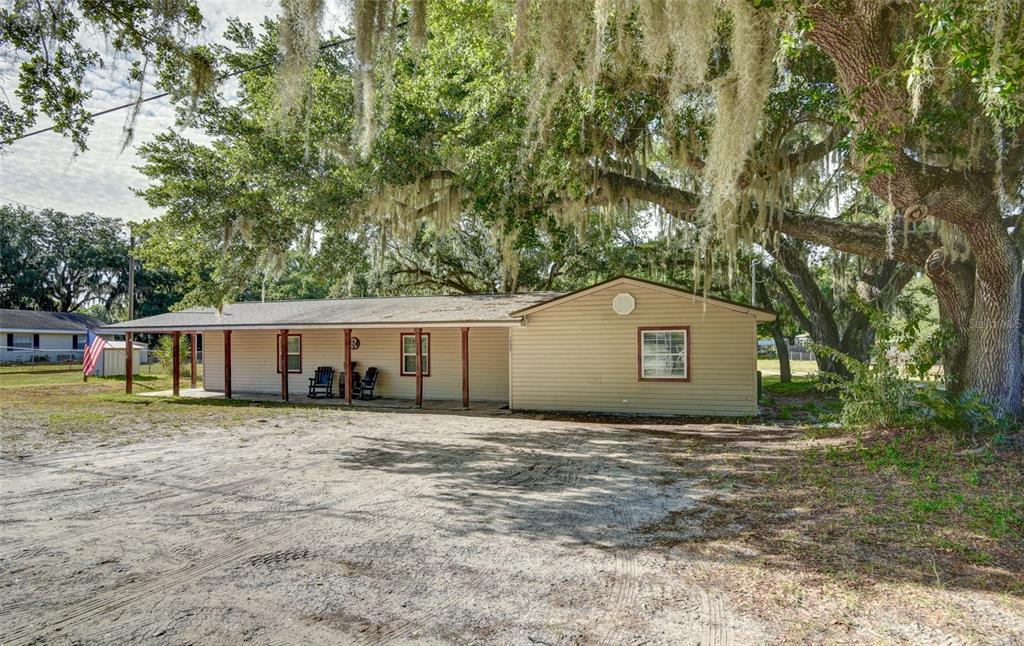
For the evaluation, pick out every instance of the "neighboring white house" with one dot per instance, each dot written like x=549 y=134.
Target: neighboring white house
x=28 y=336
x=32 y=336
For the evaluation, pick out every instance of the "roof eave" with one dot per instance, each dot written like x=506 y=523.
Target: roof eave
x=46 y=330
x=122 y=328
x=759 y=314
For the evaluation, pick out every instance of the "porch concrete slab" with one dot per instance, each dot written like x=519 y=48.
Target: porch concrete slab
x=301 y=399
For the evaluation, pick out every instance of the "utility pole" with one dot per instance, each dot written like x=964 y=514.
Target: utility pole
x=753 y=282
x=131 y=273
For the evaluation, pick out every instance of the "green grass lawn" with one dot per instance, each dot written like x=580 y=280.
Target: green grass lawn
x=796 y=386
x=771 y=367
x=46 y=404
x=40 y=374
x=147 y=376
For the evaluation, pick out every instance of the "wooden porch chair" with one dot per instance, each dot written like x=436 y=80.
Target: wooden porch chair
x=322 y=382
x=363 y=388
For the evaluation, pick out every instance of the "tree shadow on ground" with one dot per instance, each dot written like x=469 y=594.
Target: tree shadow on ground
x=722 y=492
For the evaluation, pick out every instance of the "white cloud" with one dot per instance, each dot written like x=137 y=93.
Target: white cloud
x=43 y=171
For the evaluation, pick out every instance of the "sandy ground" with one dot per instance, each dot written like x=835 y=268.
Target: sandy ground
x=338 y=527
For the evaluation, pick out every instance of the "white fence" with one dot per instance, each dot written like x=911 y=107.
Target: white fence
x=11 y=354
x=801 y=353
x=16 y=355
x=796 y=352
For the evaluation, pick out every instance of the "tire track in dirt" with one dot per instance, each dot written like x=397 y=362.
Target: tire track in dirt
x=123 y=596
x=133 y=592
x=164 y=492
x=626 y=586
x=177 y=496
x=625 y=582
x=410 y=503
x=411 y=624
x=91 y=455
x=394 y=507
x=74 y=491
x=716 y=620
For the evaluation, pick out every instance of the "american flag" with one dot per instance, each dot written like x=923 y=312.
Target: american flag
x=93 y=349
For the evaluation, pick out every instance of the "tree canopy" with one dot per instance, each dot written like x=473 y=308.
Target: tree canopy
x=450 y=135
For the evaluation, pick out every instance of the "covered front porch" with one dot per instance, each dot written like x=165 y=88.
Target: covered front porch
x=440 y=367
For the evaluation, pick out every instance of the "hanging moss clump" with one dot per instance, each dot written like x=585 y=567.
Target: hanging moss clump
x=299 y=43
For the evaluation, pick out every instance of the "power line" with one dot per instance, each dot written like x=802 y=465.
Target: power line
x=29 y=206
x=828 y=182
x=222 y=77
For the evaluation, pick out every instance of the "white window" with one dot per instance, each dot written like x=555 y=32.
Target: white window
x=409 y=354
x=22 y=341
x=664 y=353
x=294 y=353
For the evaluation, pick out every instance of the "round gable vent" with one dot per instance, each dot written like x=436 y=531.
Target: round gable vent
x=623 y=303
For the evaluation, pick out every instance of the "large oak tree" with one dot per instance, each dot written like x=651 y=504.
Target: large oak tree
x=921 y=100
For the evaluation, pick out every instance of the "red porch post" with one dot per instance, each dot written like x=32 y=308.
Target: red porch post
x=227 y=364
x=128 y=367
x=419 y=367
x=348 y=366
x=193 y=353
x=176 y=362
x=465 y=367
x=283 y=363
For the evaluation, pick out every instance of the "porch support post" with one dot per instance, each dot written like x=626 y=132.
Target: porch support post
x=282 y=361
x=176 y=362
x=348 y=366
x=465 y=367
x=193 y=353
x=128 y=367
x=419 y=367
x=227 y=364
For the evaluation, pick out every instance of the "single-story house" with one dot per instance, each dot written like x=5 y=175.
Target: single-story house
x=28 y=336
x=624 y=345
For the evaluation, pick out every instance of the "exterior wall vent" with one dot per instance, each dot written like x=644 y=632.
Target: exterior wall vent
x=623 y=303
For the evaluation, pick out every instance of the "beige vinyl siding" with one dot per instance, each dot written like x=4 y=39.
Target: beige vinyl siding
x=254 y=366
x=213 y=360
x=581 y=355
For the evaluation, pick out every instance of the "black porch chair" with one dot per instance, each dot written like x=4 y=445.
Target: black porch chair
x=322 y=382
x=363 y=388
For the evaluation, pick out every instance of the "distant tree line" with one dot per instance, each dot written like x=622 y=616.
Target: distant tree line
x=50 y=260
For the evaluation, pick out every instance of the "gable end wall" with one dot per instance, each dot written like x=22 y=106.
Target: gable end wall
x=582 y=356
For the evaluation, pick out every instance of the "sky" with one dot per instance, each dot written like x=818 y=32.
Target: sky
x=43 y=171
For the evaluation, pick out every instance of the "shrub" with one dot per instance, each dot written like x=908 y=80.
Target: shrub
x=892 y=388
x=164 y=352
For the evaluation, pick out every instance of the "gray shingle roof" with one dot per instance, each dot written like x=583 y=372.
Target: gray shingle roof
x=425 y=310
x=43 y=321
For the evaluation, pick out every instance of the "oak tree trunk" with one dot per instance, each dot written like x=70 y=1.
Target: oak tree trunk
x=859 y=37
x=993 y=363
x=781 y=344
x=782 y=349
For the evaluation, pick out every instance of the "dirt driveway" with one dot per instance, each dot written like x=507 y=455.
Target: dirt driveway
x=359 y=527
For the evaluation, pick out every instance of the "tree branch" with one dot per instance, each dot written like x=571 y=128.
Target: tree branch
x=868 y=240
